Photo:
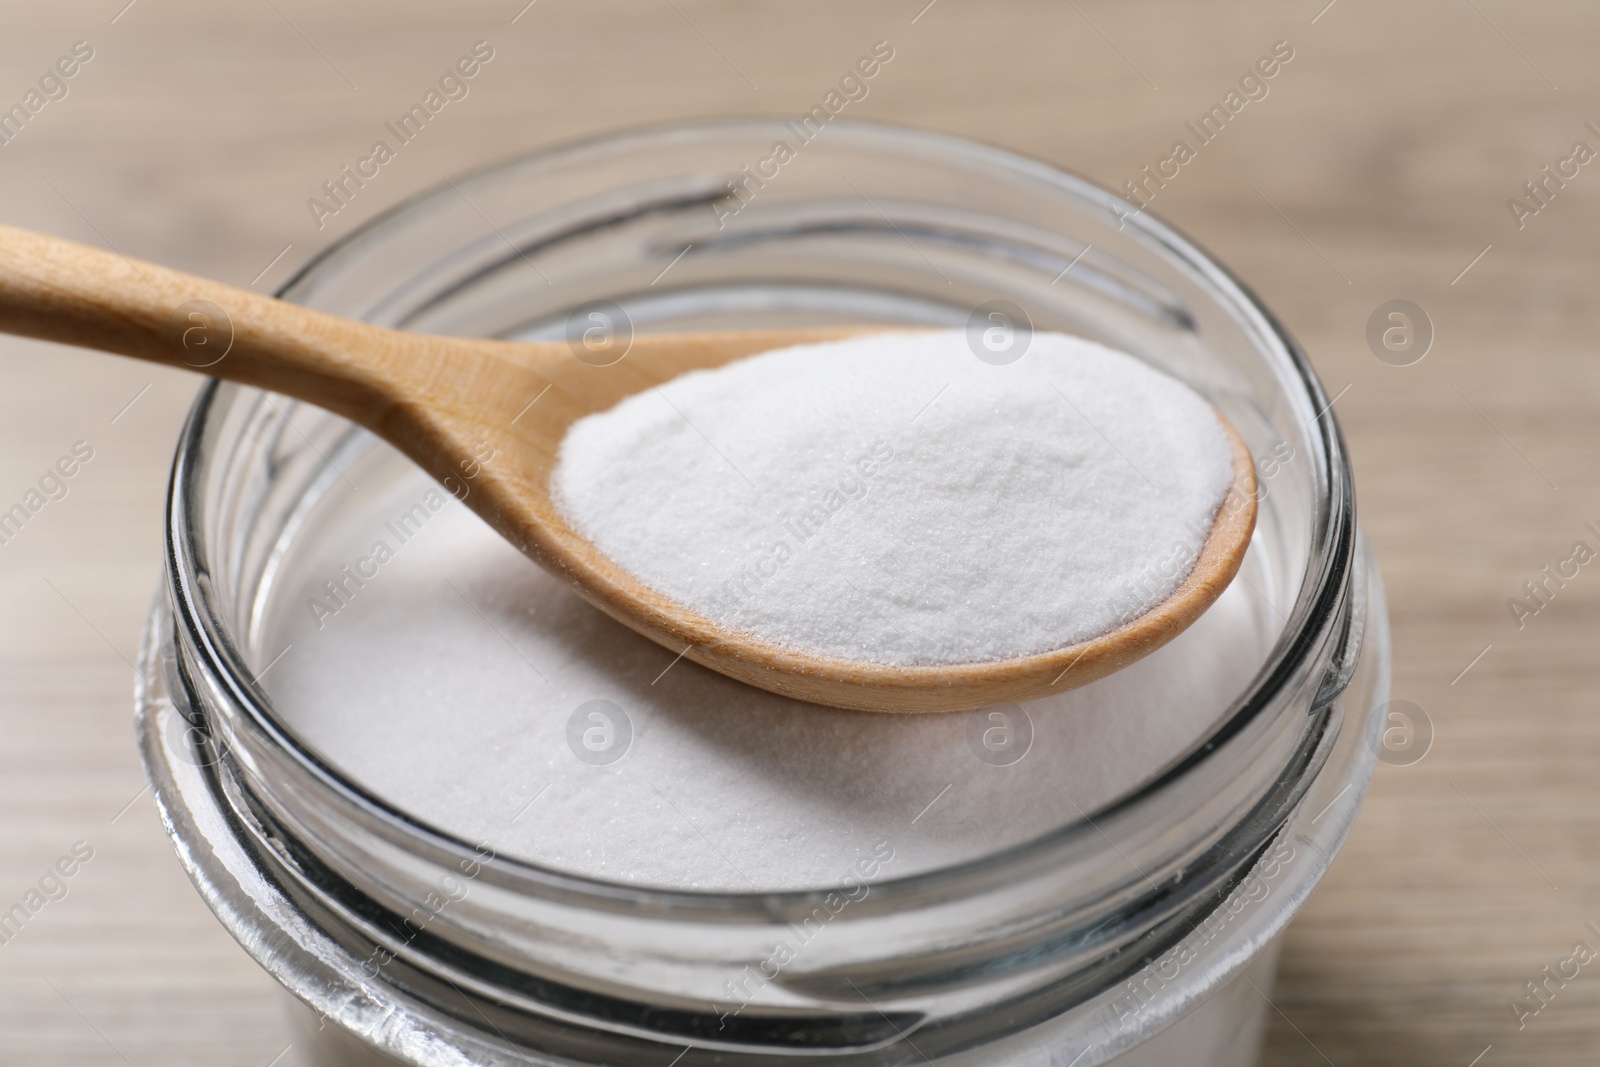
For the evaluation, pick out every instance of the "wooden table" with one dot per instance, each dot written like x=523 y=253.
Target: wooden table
x=1378 y=167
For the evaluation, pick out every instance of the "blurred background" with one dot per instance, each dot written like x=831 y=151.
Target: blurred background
x=1386 y=162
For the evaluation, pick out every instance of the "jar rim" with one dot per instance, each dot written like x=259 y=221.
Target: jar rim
x=1321 y=593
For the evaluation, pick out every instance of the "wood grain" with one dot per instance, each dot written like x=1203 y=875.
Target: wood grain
x=1378 y=167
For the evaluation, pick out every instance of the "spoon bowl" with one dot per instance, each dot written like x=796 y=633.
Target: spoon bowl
x=486 y=420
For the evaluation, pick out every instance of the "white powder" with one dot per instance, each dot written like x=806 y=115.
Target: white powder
x=448 y=681
x=893 y=499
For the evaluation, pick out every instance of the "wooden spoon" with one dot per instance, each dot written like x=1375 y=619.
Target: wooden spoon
x=486 y=419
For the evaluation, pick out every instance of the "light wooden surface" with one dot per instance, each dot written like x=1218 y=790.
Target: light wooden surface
x=1377 y=168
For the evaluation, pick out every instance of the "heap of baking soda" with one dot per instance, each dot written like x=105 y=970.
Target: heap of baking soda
x=893 y=499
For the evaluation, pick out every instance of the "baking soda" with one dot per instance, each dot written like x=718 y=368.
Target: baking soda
x=461 y=684
x=893 y=499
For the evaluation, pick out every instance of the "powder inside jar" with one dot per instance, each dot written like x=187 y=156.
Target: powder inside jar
x=893 y=499
x=460 y=684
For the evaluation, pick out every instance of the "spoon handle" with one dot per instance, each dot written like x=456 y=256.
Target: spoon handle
x=58 y=290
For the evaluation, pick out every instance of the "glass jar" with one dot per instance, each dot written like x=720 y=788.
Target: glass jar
x=1141 y=933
